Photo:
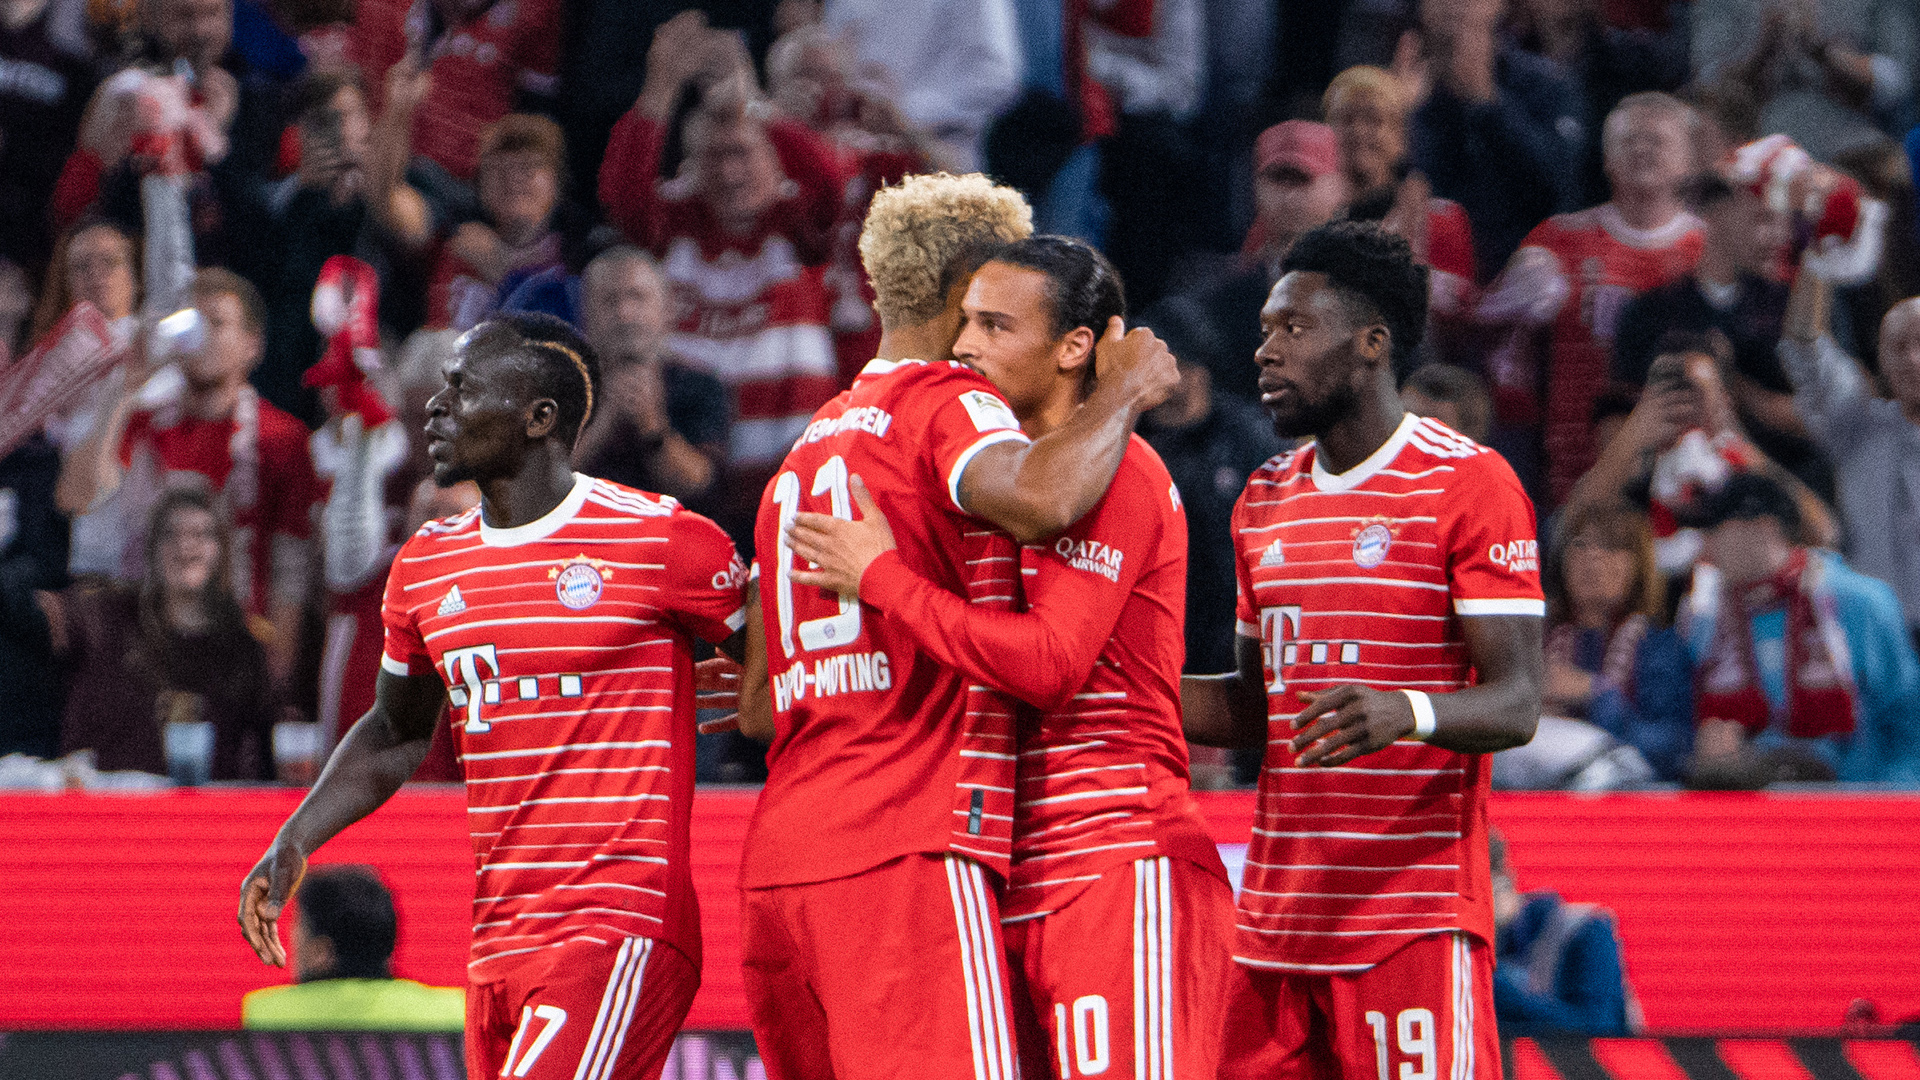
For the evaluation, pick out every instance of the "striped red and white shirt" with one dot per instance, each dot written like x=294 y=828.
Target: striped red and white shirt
x=879 y=751
x=567 y=648
x=1362 y=578
x=1102 y=774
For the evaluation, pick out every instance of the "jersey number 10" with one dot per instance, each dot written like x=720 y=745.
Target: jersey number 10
x=833 y=631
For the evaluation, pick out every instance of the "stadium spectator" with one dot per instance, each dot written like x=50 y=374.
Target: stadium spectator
x=47 y=62
x=518 y=227
x=297 y=222
x=1832 y=76
x=1564 y=288
x=486 y=58
x=1733 y=290
x=1804 y=667
x=1603 y=63
x=1499 y=130
x=1451 y=395
x=1560 y=969
x=342 y=959
x=1676 y=446
x=662 y=426
x=743 y=234
x=1298 y=184
x=33 y=558
x=210 y=422
x=951 y=66
x=1367 y=109
x=93 y=261
x=1874 y=442
x=173 y=649
x=242 y=104
x=1611 y=660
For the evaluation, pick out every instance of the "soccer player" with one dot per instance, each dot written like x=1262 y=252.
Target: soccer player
x=1389 y=639
x=869 y=909
x=558 y=620
x=1118 y=917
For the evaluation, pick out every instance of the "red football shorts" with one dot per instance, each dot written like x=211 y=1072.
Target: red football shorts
x=896 y=971
x=1426 y=1012
x=581 y=1011
x=1129 y=979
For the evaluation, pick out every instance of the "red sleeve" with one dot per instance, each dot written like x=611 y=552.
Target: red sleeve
x=538 y=52
x=1450 y=240
x=77 y=188
x=405 y=652
x=1044 y=654
x=812 y=166
x=136 y=430
x=1493 y=554
x=967 y=416
x=709 y=583
x=629 y=176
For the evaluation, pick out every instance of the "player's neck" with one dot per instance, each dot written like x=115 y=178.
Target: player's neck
x=543 y=481
x=1354 y=439
x=923 y=342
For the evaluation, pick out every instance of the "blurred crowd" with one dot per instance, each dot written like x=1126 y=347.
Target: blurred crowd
x=1673 y=248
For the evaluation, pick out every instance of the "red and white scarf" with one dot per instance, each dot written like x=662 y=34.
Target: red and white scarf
x=1821 y=699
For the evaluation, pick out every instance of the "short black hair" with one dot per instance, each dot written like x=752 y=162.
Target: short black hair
x=558 y=359
x=316 y=88
x=1376 y=270
x=1748 y=495
x=1086 y=288
x=350 y=907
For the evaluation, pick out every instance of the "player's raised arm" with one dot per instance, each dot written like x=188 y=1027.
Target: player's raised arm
x=377 y=755
x=1034 y=490
x=1227 y=710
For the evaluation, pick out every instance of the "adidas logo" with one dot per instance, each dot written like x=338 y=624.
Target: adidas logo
x=1273 y=556
x=453 y=605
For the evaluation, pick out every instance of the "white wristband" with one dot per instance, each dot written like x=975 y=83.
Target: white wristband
x=1423 y=721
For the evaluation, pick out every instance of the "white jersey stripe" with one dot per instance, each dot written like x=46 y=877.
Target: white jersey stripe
x=638 y=980
x=981 y=1064
x=607 y=996
x=973 y=879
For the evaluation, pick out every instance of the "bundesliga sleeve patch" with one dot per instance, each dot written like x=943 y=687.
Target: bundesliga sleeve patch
x=988 y=412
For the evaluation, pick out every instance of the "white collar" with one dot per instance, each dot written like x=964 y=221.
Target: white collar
x=877 y=367
x=1663 y=235
x=543 y=526
x=1364 y=471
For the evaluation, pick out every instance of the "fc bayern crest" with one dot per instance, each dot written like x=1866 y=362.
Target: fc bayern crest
x=579 y=581
x=1370 y=546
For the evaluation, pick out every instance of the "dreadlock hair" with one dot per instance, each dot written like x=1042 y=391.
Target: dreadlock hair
x=1085 y=288
x=1374 y=272
x=558 y=360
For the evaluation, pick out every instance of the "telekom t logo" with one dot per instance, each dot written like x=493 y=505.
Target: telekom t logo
x=463 y=666
x=1278 y=625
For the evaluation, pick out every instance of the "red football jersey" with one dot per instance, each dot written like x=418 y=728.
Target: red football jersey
x=1575 y=273
x=567 y=648
x=879 y=751
x=1362 y=578
x=1102 y=776
x=478 y=67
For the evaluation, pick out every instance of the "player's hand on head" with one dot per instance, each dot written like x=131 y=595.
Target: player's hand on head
x=1137 y=362
x=841 y=550
x=264 y=895
x=1346 y=722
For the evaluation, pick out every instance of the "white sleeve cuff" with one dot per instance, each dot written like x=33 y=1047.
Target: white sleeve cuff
x=394 y=667
x=737 y=620
x=966 y=458
x=1516 y=606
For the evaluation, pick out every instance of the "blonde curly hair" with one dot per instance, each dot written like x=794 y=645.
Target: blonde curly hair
x=924 y=233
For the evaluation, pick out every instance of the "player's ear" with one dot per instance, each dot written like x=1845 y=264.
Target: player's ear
x=1075 y=350
x=543 y=417
x=1375 y=342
